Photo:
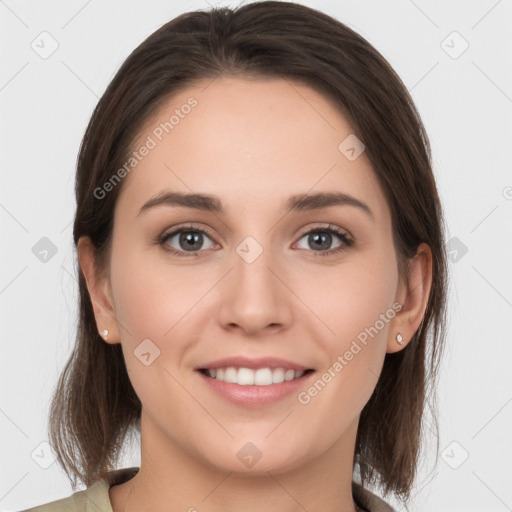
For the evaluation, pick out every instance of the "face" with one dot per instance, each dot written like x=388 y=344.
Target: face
x=315 y=287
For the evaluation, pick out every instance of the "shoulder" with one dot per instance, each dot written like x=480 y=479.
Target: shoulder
x=368 y=500
x=93 y=499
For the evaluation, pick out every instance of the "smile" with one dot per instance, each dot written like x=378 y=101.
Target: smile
x=249 y=377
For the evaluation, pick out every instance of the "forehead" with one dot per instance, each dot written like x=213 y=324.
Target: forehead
x=250 y=142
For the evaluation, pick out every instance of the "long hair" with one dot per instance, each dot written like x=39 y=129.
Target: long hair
x=94 y=405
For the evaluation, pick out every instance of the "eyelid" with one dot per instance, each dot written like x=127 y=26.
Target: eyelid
x=346 y=239
x=187 y=227
x=343 y=234
x=178 y=229
x=327 y=227
x=319 y=226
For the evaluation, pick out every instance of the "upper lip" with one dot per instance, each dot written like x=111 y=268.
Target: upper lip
x=253 y=363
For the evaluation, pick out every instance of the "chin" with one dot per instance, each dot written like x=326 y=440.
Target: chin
x=256 y=458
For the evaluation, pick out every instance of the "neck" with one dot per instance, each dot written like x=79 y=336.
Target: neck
x=172 y=478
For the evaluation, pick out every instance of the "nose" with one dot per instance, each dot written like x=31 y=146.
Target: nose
x=255 y=297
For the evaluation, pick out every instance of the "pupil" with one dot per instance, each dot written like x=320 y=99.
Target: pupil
x=324 y=235
x=189 y=239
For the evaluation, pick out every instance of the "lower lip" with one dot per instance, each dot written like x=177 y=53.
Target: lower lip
x=255 y=396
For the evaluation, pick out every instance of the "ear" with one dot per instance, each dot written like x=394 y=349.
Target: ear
x=413 y=296
x=99 y=292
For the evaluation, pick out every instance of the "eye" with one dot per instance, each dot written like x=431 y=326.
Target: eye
x=189 y=240
x=322 y=238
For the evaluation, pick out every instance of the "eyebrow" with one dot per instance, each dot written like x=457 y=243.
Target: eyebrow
x=298 y=202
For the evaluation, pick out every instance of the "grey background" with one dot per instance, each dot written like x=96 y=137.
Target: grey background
x=465 y=99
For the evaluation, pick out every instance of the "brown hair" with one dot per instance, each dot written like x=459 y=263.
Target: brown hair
x=94 y=404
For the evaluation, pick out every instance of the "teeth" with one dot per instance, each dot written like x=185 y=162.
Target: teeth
x=230 y=375
x=249 y=377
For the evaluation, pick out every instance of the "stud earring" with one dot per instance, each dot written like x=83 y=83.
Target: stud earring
x=399 y=338
x=105 y=332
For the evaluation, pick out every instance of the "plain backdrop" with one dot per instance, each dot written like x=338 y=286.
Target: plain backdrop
x=455 y=58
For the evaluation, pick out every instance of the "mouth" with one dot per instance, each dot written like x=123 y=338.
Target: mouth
x=254 y=377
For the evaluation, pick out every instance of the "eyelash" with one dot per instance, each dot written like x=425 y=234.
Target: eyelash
x=346 y=241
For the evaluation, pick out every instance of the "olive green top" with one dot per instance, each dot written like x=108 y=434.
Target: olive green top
x=96 y=498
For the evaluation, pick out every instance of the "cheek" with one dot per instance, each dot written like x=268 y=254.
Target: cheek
x=354 y=299
x=356 y=303
x=152 y=303
x=151 y=296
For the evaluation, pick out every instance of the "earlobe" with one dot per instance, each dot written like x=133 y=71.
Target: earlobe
x=413 y=296
x=99 y=292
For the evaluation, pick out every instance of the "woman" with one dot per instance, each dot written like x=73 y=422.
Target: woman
x=262 y=273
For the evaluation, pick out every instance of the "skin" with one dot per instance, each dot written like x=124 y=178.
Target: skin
x=252 y=143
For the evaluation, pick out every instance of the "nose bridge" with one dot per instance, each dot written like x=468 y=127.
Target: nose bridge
x=252 y=262
x=255 y=297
